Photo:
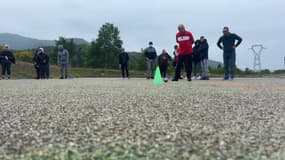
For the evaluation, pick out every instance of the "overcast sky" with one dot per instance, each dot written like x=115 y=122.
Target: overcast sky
x=256 y=21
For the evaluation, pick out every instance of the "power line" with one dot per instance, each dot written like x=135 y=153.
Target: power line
x=257 y=50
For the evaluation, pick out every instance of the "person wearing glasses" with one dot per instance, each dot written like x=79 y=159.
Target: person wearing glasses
x=228 y=43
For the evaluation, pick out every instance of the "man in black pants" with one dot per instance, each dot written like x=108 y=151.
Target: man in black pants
x=36 y=66
x=43 y=62
x=6 y=59
x=229 y=48
x=123 y=60
x=185 y=40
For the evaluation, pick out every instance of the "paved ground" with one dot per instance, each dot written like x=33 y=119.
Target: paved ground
x=133 y=118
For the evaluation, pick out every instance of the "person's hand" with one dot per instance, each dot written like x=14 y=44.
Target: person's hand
x=6 y=58
x=234 y=47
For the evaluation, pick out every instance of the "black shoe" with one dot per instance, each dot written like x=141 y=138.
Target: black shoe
x=152 y=77
x=148 y=77
x=189 y=79
x=174 y=80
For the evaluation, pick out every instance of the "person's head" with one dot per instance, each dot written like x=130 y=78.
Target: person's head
x=181 y=28
x=175 y=47
x=202 y=39
x=41 y=50
x=60 y=47
x=226 y=31
x=6 y=47
x=123 y=50
x=150 y=44
x=163 y=51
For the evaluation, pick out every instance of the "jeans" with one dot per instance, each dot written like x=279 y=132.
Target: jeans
x=63 y=70
x=150 y=67
x=6 y=68
x=205 y=68
x=163 y=70
x=44 y=71
x=125 y=71
x=229 y=64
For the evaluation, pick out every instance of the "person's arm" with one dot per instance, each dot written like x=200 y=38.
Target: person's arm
x=128 y=58
x=58 y=58
x=203 y=47
x=67 y=57
x=47 y=59
x=192 y=39
x=239 y=40
x=219 y=43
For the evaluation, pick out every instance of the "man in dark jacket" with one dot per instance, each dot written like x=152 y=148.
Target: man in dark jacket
x=43 y=62
x=36 y=66
x=203 y=49
x=163 y=62
x=6 y=58
x=229 y=45
x=150 y=56
x=123 y=60
x=196 y=61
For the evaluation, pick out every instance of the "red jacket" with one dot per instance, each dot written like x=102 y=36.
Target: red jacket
x=185 y=42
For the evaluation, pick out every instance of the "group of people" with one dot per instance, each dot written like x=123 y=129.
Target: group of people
x=41 y=63
x=40 y=60
x=188 y=54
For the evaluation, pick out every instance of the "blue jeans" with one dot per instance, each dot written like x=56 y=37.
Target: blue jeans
x=229 y=64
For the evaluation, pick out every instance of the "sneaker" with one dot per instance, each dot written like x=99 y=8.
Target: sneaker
x=165 y=79
x=199 y=77
x=205 y=78
x=189 y=79
x=194 y=77
x=174 y=80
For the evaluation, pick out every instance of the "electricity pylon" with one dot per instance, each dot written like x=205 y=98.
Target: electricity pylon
x=257 y=50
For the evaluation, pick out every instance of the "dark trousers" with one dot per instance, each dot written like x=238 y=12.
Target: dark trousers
x=6 y=68
x=187 y=61
x=197 y=68
x=125 y=71
x=163 y=70
x=37 y=71
x=44 y=71
x=229 y=64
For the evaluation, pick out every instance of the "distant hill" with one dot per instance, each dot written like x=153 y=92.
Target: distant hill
x=18 y=42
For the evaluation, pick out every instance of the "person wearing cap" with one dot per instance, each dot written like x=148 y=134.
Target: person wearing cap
x=63 y=61
x=123 y=60
x=228 y=44
x=150 y=56
x=203 y=49
x=185 y=40
x=6 y=59
x=43 y=61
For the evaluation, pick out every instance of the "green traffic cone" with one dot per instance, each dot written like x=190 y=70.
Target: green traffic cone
x=157 y=77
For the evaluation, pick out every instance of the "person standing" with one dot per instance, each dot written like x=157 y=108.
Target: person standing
x=185 y=40
x=123 y=60
x=63 y=61
x=203 y=49
x=228 y=43
x=163 y=62
x=150 y=56
x=6 y=58
x=196 y=61
x=43 y=61
x=36 y=66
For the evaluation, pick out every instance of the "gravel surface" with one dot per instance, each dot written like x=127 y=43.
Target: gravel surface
x=135 y=119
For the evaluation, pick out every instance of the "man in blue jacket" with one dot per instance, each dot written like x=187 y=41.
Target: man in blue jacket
x=228 y=43
x=6 y=59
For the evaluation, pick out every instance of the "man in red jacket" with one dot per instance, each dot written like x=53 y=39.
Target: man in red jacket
x=185 y=40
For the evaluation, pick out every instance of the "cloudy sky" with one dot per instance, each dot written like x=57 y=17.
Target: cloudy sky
x=256 y=21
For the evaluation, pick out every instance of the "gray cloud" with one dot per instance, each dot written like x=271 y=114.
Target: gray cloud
x=257 y=21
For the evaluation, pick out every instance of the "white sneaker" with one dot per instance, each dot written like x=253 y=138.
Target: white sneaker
x=194 y=77
x=199 y=77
